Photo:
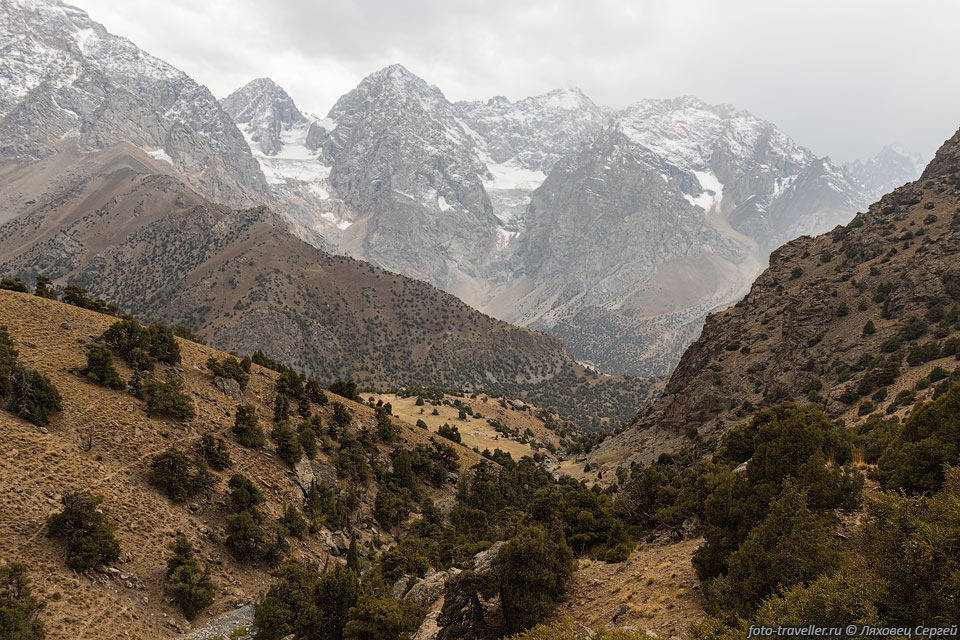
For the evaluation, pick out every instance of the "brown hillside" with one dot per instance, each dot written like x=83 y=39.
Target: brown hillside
x=530 y=430
x=802 y=332
x=155 y=247
x=102 y=441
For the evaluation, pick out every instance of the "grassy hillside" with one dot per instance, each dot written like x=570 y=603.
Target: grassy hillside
x=103 y=441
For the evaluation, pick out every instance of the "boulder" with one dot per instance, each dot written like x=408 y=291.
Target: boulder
x=229 y=387
x=310 y=471
x=399 y=586
x=429 y=590
x=692 y=526
x=483 y=560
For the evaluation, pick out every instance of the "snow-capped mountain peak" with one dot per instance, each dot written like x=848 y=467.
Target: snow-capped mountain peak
x=64 y=76
x=264 y=112
x=534 y=132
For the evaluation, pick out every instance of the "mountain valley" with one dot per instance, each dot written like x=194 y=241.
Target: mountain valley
x=421 y=368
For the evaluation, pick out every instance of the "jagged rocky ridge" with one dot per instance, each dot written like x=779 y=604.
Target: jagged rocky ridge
x=853 y=320
x=617 y=232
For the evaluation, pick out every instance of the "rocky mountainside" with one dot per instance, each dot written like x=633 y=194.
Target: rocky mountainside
x=890 y=168
x=522 y=140
x=394 y=154
x=603 y=229
x=860 y=320
x=154 y=246
x=64 y=77
x=667 y=214
x=401 y=159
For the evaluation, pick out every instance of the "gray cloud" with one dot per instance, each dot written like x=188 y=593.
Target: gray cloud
x=841 y=77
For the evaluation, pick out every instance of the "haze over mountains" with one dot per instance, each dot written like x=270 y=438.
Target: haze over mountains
x=615 y=231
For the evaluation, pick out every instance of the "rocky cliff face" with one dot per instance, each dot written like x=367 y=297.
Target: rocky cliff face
x=857 y=320
x=400 y=157
x=667 y=214
x=64 y=76
x=535 y=132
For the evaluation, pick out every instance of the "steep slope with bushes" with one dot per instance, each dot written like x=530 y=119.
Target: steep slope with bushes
x=859 y=321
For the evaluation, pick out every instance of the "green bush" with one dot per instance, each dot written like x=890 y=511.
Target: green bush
x=375 y=618
x=341 y=417
x=19 y=609
x=229 y=367
x=244 y=495
x=100 y=367
x=293 y=521
x=245 y=536
x=8 y=361
x=246 y=426
x=786 y=446
x=183 y=332
x=192 y=587
x=163 y=346
x=281 y=408
x=386 y=429
x=26 y=393
x=532 y=570
x=13 y=284
x=306 y=604
x=277 y=548
x=214 y=450
x=346 y=388
x=179 y=476
x=32 y=396
x=166 y=397
x=288 y=445
x=838 y=599
x=78 y=298
x=449 y=432
x=791 y=545
x=353 y=555
x=142 y=346
x=314 y=392
x=928 y=439
x=307 y=434
x=89 y=533
x=323 y=509
x=45 y=289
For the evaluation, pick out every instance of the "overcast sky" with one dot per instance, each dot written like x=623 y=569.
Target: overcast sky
x=843 y=77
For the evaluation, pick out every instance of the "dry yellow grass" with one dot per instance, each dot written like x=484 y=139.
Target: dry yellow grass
x=102 y=441
x=477 y=432
x=655 y=589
